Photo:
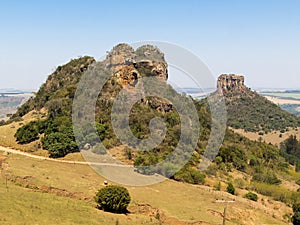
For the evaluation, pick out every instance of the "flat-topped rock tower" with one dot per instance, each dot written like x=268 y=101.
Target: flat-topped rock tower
x=230 y=82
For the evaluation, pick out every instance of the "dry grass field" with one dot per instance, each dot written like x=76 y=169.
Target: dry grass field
x=272 y=137
x=50 y=192
x=41 y=191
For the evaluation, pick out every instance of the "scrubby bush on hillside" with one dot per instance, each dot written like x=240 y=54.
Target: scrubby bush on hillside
x=113 y=198
x=234 y=155
x=251 y=196
x=296 y=216
x=230 y=189
x=268 y=177
x=190 y=175
x=290 y=150
x=278 y=193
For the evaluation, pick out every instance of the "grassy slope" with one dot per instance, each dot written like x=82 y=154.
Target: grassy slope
x=175 y=200
x=82 y=182
x=272 y=137
x=20 y=205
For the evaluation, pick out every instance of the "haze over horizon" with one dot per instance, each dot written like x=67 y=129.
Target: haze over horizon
x=257 y=39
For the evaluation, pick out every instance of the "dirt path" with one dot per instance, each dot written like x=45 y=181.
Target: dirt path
x=18 y=152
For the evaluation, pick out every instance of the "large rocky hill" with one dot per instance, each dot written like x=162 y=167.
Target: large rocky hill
x=46 y=121
x=262 y=163
x=250 y=111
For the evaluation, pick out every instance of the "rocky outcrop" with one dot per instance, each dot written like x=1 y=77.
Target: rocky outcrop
x=129 y=66
x=127 y=76
x=161 y=105
x=230 y=82
x=121 y=54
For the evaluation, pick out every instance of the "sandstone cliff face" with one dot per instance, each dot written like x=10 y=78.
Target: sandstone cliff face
x=230 y=82
x=129 y=66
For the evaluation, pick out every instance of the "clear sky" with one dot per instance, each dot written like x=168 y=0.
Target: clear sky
x=256 y=38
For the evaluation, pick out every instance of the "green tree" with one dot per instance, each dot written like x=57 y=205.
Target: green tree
x=113 y=198
x=30 y=132
x=230 y=189
x=60 y=143
x=292 y=146
x=296 y=216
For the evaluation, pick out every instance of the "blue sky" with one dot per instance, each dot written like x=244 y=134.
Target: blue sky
x=258 y=39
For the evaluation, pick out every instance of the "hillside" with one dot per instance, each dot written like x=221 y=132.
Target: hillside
x=61 y=193
x=43 y=125
x=53 y=130
x=250 y=111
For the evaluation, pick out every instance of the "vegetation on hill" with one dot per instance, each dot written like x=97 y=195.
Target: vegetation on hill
x=260 y=160
x=290 y=150
x=251 y=196
x=252 y=112
x=294 y=109
x=296 y=216
x=56 y=97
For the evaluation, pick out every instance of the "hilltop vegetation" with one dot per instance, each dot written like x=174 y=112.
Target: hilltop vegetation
x=254 y=113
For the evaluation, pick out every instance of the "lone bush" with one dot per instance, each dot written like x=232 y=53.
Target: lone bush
x=296 y=216
x=113 y=198
x=251 y=196
x=230 y=189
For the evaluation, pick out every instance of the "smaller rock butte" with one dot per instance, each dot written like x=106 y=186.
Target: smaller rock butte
x=230 y=82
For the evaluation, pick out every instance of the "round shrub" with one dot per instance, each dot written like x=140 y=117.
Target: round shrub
x=113 y=198
x=251 y=196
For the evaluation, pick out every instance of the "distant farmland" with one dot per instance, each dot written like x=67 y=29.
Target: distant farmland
x=9 y=103
x=289 y=101
x=283 y=95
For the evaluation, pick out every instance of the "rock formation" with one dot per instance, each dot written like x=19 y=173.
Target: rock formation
x=129 y=66
x=230 y=82
x=121 y=54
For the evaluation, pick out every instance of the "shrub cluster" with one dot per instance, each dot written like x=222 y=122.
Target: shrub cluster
x=113 y=198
